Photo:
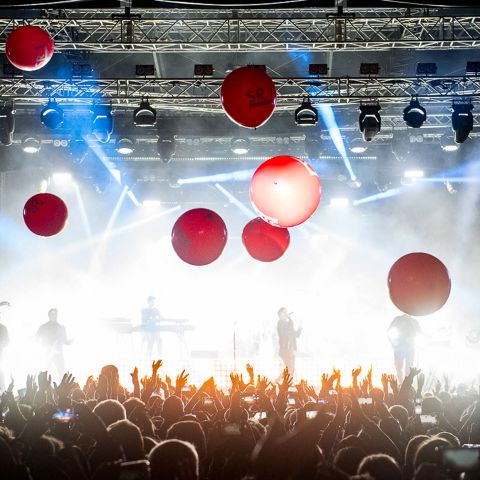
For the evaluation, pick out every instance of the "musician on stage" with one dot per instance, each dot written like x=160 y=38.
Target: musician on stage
x=4 y=341
x=402 y=333
x=53 y=336
x=287 y=339
x=150 y=320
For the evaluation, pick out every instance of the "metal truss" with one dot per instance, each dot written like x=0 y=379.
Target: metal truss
x=312 y=30
x=202 y=95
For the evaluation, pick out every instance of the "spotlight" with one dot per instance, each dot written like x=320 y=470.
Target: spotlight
x=369 y=68
x=240 y=146
x=52 y=115
x=144 y=115
x=166 y=147
x=7 y=125
x=413 y=174
x=339 y=202
x=462 y=120
x=151 y=203
x=357 y=146
x=78 y=148
x=318 y=69
x=426 y=68
x=369 y=121
x=448 y=143
x=31 y=145
x=306 y=114
x=414 y=115
x=102 y=122
x=125 y=146
x=62 y=177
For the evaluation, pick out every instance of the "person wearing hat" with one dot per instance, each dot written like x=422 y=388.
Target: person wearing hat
x=287 y=338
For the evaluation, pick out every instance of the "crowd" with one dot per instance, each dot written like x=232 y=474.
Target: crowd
x=161 y=429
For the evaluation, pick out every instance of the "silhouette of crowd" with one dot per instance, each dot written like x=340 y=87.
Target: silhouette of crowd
x=167 y=429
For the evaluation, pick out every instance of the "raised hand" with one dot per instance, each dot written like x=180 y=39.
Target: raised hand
x=364 y=387
x=251 y=373
x=66 y=386
x=356 y=372
x=208 y=386
x=414 y=372
x=134 y=375
x=181 y=381
x=156 y=366
x=369 y=378
x=262 y=383
x=420 y=382
x=337 y=376
x=44 y=381
x=385 y=383
x=287 y=380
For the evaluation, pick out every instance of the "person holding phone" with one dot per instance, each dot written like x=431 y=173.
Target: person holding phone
x=402 y=333
x=287 y=338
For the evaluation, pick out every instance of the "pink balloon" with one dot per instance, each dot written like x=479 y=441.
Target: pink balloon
x=285 y=191
x=29 y=47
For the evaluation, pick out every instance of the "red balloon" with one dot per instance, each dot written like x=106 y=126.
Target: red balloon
x=263 y=241
x=285 y=191
x=199 y=236
x=248 y=96
x=45 y=214
x=419 y=284
x=29 y=47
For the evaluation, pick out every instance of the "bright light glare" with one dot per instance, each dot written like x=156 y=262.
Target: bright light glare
x=151 y=203
x=450 y=147
x=62 y=177
x=414 y=174
x=339 y=202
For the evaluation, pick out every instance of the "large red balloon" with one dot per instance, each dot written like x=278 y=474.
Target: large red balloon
x=29 y=47
x=248 y=96
x=285 y=191
x=199 y=236
x=263 y=241
x=419 y=284
x=45 y=214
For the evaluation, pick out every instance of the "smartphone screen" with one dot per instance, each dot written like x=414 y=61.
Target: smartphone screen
x=208 y=401
x=312 y=413
x=332 y=392
x=322 y=401
x=365 y=401
x=250 y=400
x=260 y=415
x=461 y=459
x=428 y=420
x=418 y=409
x=232 y=429
x=291 y=401
x=63 y=416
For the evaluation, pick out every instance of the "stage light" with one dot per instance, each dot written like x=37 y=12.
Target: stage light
x=369 y=68
x=62 y=177
x=448 y=143
x=78 y=148
x=357 y=146
x=200 y=70
x=81 y=70
x=473 y=67
x=240 y=145
x=125 y=146
x=144 y=115
x=151 y=203
x=31 y=145
x=7 y=125
x=144 y=70
x=52 y=115
x=426 y=68
x=317 y=69
x=339 y=202
x=462 y=120
x=102 y=122
x=166 y=147
x=414 y=115
x=369 y=121
x=306 y=114
x=413 y=174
